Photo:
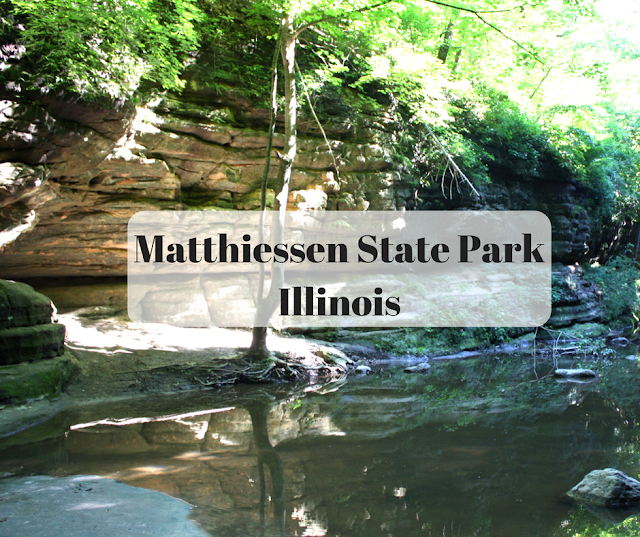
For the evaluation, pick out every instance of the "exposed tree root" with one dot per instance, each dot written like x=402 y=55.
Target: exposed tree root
x=268 y=367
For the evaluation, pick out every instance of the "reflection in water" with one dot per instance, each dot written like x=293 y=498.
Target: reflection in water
x=406 y=457
x=268 y=457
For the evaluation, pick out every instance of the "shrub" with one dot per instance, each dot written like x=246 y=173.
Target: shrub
x=619 y=281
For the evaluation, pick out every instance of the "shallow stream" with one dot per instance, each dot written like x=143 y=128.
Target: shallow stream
x=474 y=448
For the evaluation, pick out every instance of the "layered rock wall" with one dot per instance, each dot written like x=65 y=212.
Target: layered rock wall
x=82 y=170
x=75 y=172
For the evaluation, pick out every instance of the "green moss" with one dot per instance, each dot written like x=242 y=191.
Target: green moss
x=21 y=306
x=34 y=380
x=436 y=341
x=203 y=201
x=586 y=330
x=619 y=281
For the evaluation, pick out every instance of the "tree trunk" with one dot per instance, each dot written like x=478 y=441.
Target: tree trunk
x=635 y=253
x=267 y=305
x=267 y=456
x=456 y=60
x=443 y=51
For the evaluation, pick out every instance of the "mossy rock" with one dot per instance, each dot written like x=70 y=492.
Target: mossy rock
x=31 y=343
x=20 y=306
x=31 y=381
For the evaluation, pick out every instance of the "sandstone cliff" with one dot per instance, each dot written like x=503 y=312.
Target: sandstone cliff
x=74 y=172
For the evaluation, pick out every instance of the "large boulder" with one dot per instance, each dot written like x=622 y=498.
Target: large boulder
x=21 y=306
x=27 y=332
x=608 y=488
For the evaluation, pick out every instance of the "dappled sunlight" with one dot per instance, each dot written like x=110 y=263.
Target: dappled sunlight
x=198 y=428
x=400 y=492
x=111 y=336
x=141 y=472
x=311 y=526
x=196 y=456
x=225 y=441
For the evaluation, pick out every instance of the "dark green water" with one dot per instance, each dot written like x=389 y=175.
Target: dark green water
x=471 y=449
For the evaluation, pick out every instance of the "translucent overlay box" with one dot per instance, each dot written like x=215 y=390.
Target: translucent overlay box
x=340 y=269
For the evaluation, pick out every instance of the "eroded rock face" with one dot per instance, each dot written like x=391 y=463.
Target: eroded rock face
x=26 y=331
x=607 y=488
x=192 y=151
x=23 y=189
x=577 y=301
x=206 y=150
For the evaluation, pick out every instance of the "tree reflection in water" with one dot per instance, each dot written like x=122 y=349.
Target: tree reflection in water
x=267 y=456
x=377 y=458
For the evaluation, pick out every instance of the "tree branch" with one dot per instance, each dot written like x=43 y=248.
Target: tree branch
x=438 y=3
x=490 y=25
x=506 y=10
x=342 y=15
x=547 y=73
x=315 y=116
x=474 y=11
x=457 y=172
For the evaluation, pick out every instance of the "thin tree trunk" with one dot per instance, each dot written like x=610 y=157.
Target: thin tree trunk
x=268 y=304
x=456 y=60
x=267 y=456
x=635 y=255
x=267 y=164
x=443 y=51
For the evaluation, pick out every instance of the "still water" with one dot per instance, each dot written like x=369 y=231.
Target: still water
x=474 y=448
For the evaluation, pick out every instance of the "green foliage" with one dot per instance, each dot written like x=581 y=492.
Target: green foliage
x=582 y=523
x=619 y=281
x=609 y=164
x=558 y=291
x=496 y=130
x=237 y=46
x=546 y=100
x=497 y=336
x=101 y=47
x=421 y=341
x=511 y=134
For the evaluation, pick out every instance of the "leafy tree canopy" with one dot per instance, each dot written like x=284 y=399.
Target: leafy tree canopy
x=98 y=47
x=560 y=72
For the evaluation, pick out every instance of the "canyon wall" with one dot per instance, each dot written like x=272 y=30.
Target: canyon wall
x=74 y=172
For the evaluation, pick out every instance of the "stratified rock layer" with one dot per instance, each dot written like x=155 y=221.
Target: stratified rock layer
x=576 y=300
x=192 y=151
x=20 y=306
x=26 y=331
x=74 y=173
x=81 y=170
x=30 y=343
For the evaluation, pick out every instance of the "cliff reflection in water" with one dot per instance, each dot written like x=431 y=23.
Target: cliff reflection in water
x=371 y=459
